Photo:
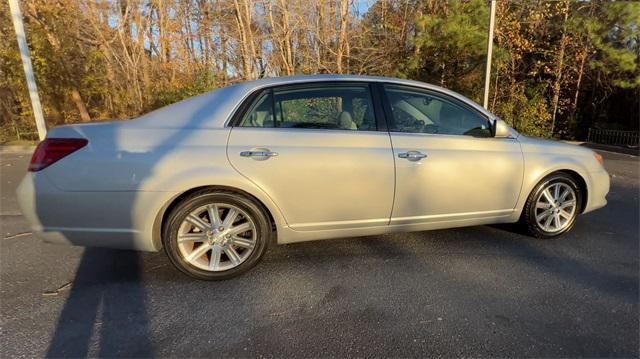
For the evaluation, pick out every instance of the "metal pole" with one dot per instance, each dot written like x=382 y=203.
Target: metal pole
x=16 y=15
x=487 y=75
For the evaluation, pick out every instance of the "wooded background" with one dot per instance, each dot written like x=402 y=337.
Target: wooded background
x=559 y=66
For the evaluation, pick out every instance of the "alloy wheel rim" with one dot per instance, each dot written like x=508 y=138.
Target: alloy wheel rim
x=555 y=207
x=217 y=237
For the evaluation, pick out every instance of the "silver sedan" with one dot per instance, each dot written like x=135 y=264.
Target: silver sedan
x=218 y=177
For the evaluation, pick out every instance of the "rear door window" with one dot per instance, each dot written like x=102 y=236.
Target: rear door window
x=330 y=106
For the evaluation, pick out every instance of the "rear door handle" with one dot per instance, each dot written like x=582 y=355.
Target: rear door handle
x=259 y=154
x=412 y=155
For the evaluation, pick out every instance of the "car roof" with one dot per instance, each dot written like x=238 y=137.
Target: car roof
x=214 y=109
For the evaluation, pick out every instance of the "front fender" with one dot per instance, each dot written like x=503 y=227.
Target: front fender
x=538 y=165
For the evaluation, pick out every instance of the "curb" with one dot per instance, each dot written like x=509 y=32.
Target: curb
x=17 y=149
x=617 y=149
x=609 y=148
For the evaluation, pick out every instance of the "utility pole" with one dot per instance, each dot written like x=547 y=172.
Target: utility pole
x=16 y=15
x=487 y=75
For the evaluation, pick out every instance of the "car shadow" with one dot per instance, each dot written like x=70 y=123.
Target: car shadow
x=107 y=299
x=547 y=256
x=107 y=304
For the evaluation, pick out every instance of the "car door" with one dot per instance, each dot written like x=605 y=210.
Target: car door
x=315 y=150
x=449 y=167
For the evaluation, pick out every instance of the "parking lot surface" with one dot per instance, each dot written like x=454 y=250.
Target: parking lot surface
x=478 y=291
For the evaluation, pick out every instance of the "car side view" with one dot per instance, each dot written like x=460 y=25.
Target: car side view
x=217 y=178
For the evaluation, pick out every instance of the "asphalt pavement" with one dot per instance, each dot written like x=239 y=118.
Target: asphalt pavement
x=474 y=292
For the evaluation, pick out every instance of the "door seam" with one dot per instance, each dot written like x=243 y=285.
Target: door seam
x=226 y=152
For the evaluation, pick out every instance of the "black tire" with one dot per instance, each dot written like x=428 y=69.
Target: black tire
x=203 y=198
x=528 y=218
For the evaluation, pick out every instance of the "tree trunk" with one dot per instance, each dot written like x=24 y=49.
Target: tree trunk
x=560 y=63
x=250 y=39
x=244 y=49
x=344 y=13
x=574 y=105
x=495 y=90
x=286 y=28
x=82 y=109
x=322 y=34
x=162 y=31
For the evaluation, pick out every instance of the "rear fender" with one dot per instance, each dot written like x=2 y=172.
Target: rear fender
x=196 y=178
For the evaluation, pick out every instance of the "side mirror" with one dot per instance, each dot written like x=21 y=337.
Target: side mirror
x=500 y=129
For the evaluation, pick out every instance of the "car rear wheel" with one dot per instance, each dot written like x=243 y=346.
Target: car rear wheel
x=215 y=235
x=552 y=207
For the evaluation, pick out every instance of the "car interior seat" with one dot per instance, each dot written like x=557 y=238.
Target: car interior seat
x=260 y=119
x=345 y=121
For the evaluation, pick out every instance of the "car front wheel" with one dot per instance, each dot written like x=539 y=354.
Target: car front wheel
x=552 y=207
x=215 y=235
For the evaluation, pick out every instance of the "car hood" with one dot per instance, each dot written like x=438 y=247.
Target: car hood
x=540 y=145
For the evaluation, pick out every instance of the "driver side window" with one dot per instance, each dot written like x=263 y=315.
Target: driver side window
x=419 y=111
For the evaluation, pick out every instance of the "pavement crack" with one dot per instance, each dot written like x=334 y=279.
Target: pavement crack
x=21 y=234
x=48 y=293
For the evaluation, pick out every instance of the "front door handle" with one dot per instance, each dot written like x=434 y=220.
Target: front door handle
x=412 y=155
x=259 y=154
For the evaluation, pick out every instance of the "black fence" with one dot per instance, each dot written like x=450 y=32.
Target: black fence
x=613 y=137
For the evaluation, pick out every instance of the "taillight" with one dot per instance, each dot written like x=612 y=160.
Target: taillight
x=52 y=150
